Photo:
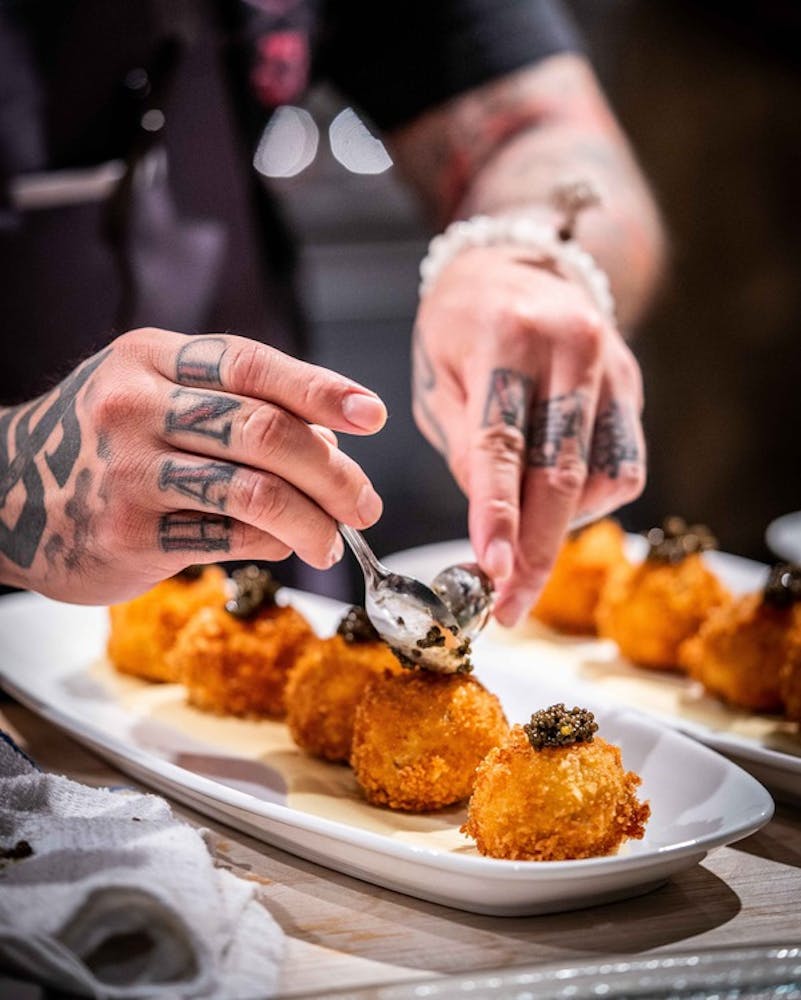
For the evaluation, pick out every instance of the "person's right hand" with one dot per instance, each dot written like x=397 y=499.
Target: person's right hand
x=165 y=450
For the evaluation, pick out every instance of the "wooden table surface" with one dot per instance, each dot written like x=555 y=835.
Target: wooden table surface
x=344 y=934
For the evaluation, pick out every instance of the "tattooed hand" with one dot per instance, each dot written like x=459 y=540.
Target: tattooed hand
x=165 y=450
x=535 y=403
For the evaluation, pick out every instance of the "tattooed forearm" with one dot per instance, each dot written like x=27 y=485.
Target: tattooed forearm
x=613 y=442
x=198 y=362
x=207 y=483
x=204 y=413
x=508 y=399
x=194 y=533
x=558 y=430
x=26 y=465
x=505 y=146
x=424 y=383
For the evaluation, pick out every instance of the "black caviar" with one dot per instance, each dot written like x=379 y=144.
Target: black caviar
x=255 y=589
x=675 y=540
x=783 y=586
x=357 y=627
x=558 y=726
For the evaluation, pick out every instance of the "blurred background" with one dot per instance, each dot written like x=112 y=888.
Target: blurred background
x=709 y=95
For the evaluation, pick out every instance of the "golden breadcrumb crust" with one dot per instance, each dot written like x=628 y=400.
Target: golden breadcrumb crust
x=234 y=666
x=144 y=629
x=740 y=650
x=419 y=736
x=553 y=804
x=649 y=609
x=790 y=673
x=570 y=595
x=324 y=688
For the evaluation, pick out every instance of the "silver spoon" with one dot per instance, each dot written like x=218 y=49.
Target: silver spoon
x=467 y=592
x=409 y=617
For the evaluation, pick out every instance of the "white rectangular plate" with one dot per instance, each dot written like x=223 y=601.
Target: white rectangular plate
x=767 y=746
x=251 y=776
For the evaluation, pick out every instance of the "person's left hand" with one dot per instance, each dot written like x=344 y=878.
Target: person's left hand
x=534 y=400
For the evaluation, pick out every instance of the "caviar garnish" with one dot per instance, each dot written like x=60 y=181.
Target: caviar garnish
x=783 y=586
x=357 y=627
x=676 y=540
x=255 y=589
x=21 y=850
x=558 y=726
x=189 y=573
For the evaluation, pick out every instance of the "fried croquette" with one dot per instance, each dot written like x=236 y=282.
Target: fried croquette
x=651 y=608
x=539 y=800
x=144 y=630
x=419 y=736
x=790 y=679
x=235 y=659
x=740 y=651
x=327 y=682
x=570 y=596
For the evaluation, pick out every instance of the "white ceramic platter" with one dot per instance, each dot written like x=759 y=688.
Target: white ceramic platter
x=767 y=746
x=251 y=776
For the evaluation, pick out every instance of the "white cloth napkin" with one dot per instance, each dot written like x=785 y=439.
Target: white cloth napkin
x=106 y=894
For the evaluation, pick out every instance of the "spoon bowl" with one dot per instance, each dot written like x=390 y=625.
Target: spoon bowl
x=410 y=617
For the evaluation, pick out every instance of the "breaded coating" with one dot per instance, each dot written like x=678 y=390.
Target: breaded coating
x=790 y=674
x=555 y=803
x=740 y=651
x=419 y=736
x=651 y=608
x=235 y=666
x=144 y=629
x=570 y=595
x=324 y=688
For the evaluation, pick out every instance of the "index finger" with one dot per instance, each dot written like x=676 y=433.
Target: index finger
x=248 y=368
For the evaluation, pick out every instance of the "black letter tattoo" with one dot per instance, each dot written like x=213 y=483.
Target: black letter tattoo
x=198 y=362
x=207 y=483
x=508 y=399
x=185 y=533
x=557 y=425
x=613 y=442
x=202 y=415
x=21 y=542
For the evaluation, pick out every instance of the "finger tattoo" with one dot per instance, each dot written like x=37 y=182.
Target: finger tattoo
x=202 y=413
x=557 y=429
x=613 y=442
x=208 y=483
x=187 y=533
x=198 y=362
x=508 y=399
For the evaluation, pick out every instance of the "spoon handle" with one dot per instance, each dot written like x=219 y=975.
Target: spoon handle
x=371 y=567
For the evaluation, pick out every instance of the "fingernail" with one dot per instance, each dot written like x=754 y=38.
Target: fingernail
x=512 y=610
x=337 y=551
x=367 y=413
x=499 y=559
x=369 y=505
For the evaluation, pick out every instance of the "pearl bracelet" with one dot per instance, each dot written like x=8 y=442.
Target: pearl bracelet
x=563 y=255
